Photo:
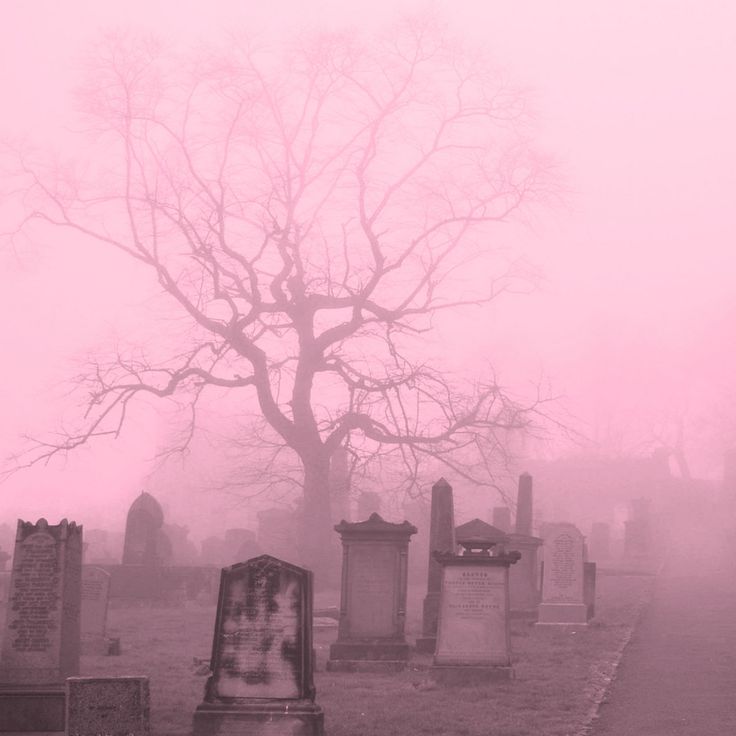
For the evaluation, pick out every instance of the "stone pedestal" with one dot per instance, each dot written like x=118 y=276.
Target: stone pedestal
x=370 y=634
x=262 y=657
x=563 y=600
x=118 y=706
x=441 y=539
x=473 y=643
x=41 y=642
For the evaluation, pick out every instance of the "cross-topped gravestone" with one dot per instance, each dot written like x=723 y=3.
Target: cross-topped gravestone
x=262 y=653
x=41 y=643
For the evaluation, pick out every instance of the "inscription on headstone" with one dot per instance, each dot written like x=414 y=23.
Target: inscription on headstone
x=562 y=586
x=473 y=616
x=261 y=625
x=262 y=653
x=40 y=647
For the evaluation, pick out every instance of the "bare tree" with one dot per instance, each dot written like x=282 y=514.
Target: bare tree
x=310 y=211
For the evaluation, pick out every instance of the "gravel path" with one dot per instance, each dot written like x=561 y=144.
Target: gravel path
x=678 y=673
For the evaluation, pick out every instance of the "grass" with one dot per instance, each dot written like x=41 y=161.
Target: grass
x=560 y=673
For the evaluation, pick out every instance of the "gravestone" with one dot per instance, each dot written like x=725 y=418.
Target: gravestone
x=262 y=668
x=40 y=647
x=441 y=539
x=562 y=585
x=109 y=706
x=524 y=584
x=373 y=598
x=473 y=642
x=501 y=518
x=144 y=543
x=95 y=597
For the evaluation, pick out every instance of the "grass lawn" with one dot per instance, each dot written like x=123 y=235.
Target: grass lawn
x=560 y=673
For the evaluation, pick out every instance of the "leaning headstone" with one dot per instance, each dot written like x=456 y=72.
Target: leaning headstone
x=373 y=601
x=563 y=600
x=40 y=648
x=262 y=667
x=109 y=706
x=95 y=597
x=441 y=539
x=473 y=642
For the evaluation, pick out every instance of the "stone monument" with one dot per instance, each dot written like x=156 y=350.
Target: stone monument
x=441 y=539
x=261 y=662
x=524 y=585
x=370 y=635
x=95 y=597
x=473 y=643
x=113 y=706
x=143 y=543
x=563 y=600
x=40 y=647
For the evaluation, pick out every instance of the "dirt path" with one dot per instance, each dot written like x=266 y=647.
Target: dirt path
x=678 y=674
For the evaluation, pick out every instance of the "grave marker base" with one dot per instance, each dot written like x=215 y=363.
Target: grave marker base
x=259 y=718
x=32 y=708
x=575 y=614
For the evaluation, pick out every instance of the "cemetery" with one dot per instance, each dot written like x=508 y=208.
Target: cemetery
x=99 y=648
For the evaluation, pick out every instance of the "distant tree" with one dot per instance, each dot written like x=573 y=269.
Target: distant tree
x=310 y=211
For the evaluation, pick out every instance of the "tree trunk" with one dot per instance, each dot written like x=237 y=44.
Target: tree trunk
x=319 y=540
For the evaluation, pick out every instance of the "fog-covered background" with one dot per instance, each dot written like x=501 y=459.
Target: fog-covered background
x=630 y=309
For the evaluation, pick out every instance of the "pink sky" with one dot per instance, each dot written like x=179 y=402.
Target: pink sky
x=634 y=317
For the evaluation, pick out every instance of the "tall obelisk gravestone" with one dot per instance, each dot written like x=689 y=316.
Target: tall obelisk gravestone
x=441 y=539
x=41 y=643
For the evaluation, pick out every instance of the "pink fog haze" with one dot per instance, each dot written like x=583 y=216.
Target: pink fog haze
x=627 y=309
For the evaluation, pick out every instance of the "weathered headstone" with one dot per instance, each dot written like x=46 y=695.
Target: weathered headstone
x=262 y=681
x=143 y=537
x=95 y=596
x=562 y=586
x=107 y=706
x=373 y=600
x=501 y=518
x=40 y=648
x=473 y=642
x=441 y=539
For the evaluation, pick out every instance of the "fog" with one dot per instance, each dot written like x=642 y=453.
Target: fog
x=627 y=315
